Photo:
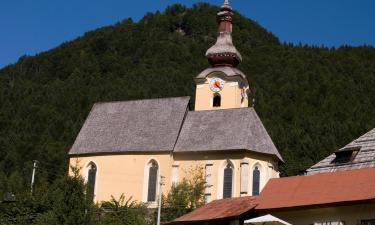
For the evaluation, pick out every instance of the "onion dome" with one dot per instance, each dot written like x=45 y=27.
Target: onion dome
x=223 y=53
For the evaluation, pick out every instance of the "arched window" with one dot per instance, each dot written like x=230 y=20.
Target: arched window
x=256 y=181
x=217 y=100
x=91 y=179
x=228 y=181
x=152 y=181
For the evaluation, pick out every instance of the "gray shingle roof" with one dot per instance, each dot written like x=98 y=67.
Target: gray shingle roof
x=228 y=129
x=167 y=125
x=143 y=125
x=365 y=157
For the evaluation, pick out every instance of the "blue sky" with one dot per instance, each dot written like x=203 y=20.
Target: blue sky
x=28 y=27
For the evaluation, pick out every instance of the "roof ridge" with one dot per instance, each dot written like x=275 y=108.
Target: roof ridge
x=229 y=109
x=141 y=100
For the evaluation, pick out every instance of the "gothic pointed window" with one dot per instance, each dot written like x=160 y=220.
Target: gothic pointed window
x=91 y=180
x=152 y=181
x=217 y=100
x=256 y=181
x=228 y=181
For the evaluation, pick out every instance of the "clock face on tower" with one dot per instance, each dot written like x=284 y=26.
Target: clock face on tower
x=216 y=84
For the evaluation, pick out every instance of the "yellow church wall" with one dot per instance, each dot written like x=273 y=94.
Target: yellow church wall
x=230 y=97
x=127 y=174
x=187 y=161
x=350 y=215
x=123 y=174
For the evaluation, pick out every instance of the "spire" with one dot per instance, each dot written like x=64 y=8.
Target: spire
x=223 y=53
x=226 y=4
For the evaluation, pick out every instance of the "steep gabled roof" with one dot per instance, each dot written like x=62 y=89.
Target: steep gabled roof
x=344 y=187
x=219 y=209
x=363 y=159
x=227 y=129
x=142 y=125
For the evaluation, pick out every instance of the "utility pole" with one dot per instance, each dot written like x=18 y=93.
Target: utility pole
x=33 y=175
x=161 y=183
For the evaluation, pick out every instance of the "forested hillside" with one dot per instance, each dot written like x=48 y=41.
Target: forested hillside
x=312 y=100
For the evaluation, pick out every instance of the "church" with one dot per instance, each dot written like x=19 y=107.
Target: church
x=127 y=147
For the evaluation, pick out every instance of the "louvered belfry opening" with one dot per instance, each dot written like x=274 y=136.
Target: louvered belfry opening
x=256 y=181
x=228 y=179
x=91 y=181
x=152 y=182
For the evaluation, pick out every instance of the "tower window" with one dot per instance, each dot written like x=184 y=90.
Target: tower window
x=217 y=100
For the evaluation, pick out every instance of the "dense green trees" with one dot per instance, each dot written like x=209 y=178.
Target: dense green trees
x=63 y=202
x=123 y=212
x=67 y=202
x=312 y=100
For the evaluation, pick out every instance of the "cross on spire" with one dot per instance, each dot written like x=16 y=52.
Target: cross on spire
x=226 y=2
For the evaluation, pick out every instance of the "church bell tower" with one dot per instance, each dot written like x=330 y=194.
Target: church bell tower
x=223 y=85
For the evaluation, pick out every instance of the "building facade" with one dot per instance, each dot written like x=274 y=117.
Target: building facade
x=338 y=198
x=126 y=147
x=333 y=198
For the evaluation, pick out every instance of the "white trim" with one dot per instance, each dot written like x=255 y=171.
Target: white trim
x=232 y=84
x=244 y=177
x=208 y=173
x=200 y=86
x=146 y=178
x=175 y=174
x=270 y=169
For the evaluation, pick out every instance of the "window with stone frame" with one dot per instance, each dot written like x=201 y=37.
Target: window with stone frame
x=152 y=181
x=228 y=181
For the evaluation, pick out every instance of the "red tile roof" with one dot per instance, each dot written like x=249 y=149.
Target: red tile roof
x=320 y=189
x=219 y=209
